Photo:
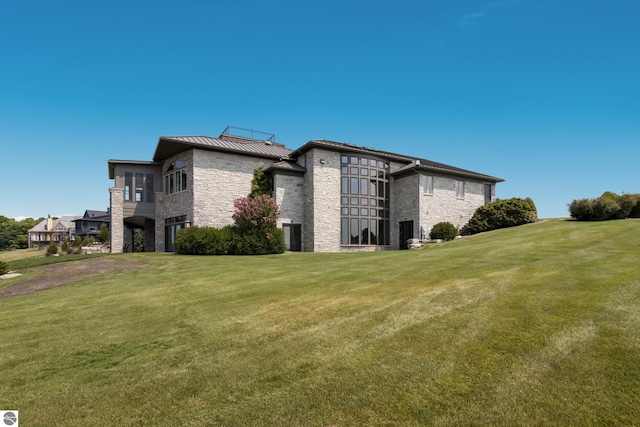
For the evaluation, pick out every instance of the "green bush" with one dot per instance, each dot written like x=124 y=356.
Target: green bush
x=444 y=231
x=606 y=207
x=52 y=249
x=204 y=240
x=502 y=214
x=255 y=241
x=229 y=240
x=4 y=268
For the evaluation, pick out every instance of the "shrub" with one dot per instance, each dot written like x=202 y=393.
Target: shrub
x=444 y=231
x=259 y=212
x=4 y=268
x=502 y=214
x=254 y=241
x=606 y=207
x=87 y=241
x=52 y=249
x=65 y=247
x=204 y=240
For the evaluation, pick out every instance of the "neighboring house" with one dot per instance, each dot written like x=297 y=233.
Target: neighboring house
x=90 y=223
x=52 y=230
x=332 y=196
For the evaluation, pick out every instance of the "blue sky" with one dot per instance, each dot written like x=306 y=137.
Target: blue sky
x=544 y=94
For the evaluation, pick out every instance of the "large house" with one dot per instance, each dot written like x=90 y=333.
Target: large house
x=332 y=196
x=52 y=230
x=90 y=223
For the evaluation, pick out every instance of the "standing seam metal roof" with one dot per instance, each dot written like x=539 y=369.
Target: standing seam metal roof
x=170 y=145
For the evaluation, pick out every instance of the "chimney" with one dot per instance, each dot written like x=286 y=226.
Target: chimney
x=49 y=223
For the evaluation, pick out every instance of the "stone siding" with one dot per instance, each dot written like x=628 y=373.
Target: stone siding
x=289 y=195
x=444 y=206
x=405 y=205
x=218 y=180
x=116 y=232
x=321 y=228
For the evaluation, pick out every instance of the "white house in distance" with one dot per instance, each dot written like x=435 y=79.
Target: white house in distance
x=333 y=196
x=52 y=230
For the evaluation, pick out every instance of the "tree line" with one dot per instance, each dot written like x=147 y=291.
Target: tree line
x=14 y=234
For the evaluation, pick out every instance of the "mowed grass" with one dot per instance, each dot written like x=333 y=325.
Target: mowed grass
x=535 y=325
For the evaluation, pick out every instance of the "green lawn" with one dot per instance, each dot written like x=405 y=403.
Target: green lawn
x=535 y=325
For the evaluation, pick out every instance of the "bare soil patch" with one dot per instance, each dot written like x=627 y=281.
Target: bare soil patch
x=65 y=273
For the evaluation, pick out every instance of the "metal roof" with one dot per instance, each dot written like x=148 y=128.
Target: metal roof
x=171 y=145
x=286 y=166
x=413 y=162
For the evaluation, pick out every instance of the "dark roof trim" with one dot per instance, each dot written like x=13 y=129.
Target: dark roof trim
x=423 y=165
x=112 y=165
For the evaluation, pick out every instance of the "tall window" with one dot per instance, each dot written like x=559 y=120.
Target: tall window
x=139 y=187
x=128 y=184
x=364 y=207
x=175 y=179
x=460 y=189
x=149 y=185
x=427 y=184
x=171 y=227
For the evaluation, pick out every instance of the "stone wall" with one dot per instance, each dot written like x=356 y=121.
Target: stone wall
x=321 y=228
x=405 y=205
x=444 y=206
x=116 y=233
x=218 y=180
x=289 y=195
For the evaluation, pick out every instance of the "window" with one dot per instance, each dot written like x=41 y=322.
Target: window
x=364 y=206
x=427 y=184
x=175 y=180
x=139 y=187
x=171 y=227
x=487 y=194
x=128 y=183
x=460 y=189
x=149 y=186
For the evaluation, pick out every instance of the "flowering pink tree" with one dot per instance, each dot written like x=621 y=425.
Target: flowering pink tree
x=260 y=212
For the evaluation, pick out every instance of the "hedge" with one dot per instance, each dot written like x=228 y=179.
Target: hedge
x=502 y=214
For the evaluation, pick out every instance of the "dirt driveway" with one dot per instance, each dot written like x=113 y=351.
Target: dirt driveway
x=64 y=273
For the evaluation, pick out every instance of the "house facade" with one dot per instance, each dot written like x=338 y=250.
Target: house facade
x=52 y=230
x=332 y=196
x=90 y=223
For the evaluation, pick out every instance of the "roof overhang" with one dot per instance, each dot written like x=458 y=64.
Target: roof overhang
x=112 y=165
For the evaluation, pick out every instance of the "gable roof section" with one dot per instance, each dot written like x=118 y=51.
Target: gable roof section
x=429 y=166
x=413 y=163
x=285 y=166
x=171 y=145
x=65 y=221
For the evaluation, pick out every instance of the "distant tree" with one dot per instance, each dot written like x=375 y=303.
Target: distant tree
x=103 y=233
x=14 y=234
x=260 y=184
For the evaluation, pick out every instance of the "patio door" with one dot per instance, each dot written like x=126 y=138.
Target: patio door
x=406 y=233
x=293 y=237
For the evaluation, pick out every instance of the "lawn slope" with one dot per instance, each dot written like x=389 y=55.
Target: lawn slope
x=535 y=325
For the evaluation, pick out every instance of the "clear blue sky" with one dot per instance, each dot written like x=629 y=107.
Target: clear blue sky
x=542 y=93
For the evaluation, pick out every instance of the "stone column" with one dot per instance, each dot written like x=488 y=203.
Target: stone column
x=117 y=220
